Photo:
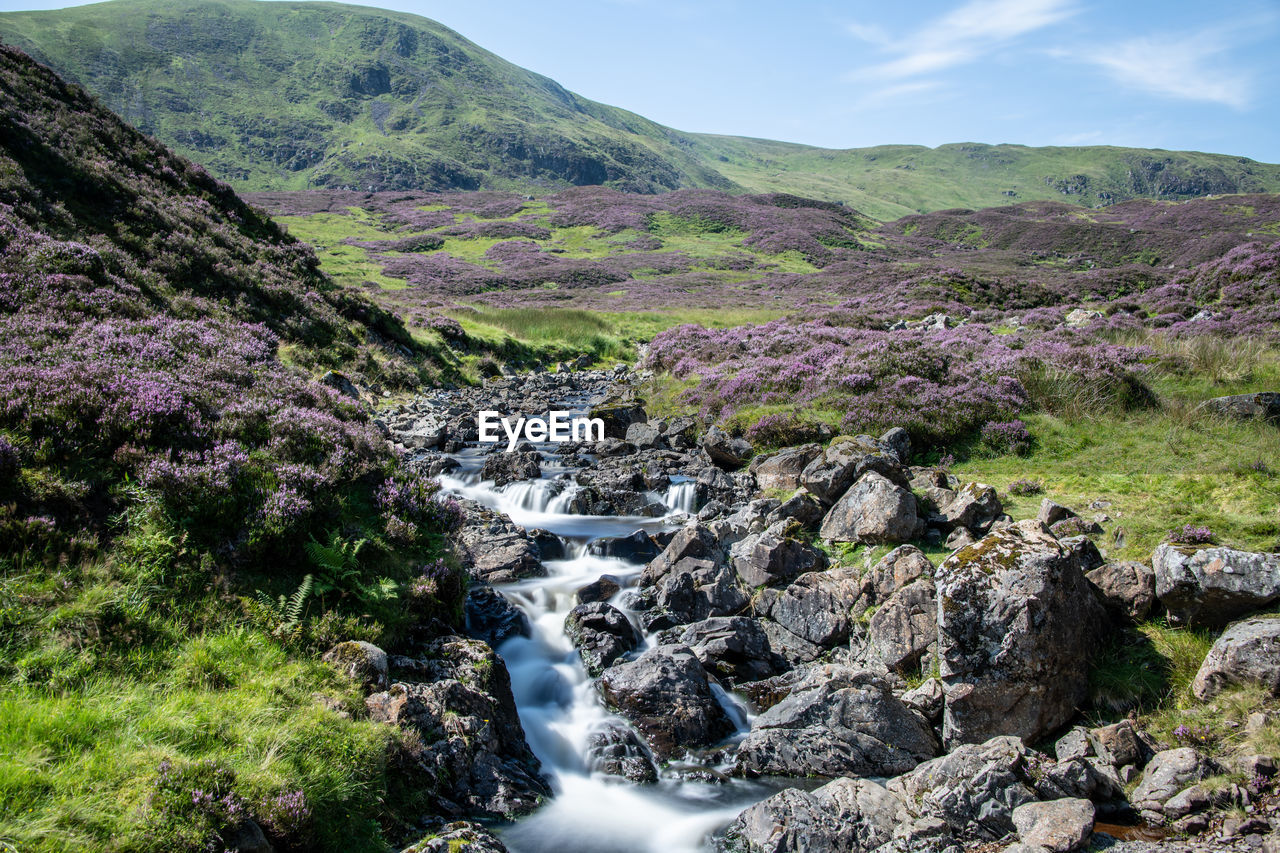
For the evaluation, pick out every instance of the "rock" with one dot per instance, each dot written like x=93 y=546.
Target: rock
x=1071 y=527
x=843 y=816
x=618 y=416
x=897 y=443
x=724 y=450
x=873 y=511
x=960 y=537
x=1051 y=513
x=601 y=633
x=973 y=790
x=1074 y=744
x=1017 y=627
x=773 y=557
x=1212 y=586
x=905 y=626
x=617 y=751
x=506 y=468
x=1118 y=744
x=801 y=507
x=639 y=547
x=602 y=588
x=845 y=461
x=836 y=721
x=489 y=616
x=1247 y=653
x=1083 y=317
x=1081 y=778
x=1187 y=801
x=666 y=695
x=645 y=436
x=974 y=506
x=497 y=551
x=364 y=663
x=340 y=383
x=698 y=589
x=470 y=755
x=245 y=837
x=1167 y=773
x=694 y=541
x=816 y=606
x=734 y=649
x=460 y=837
x=928 y=699
x=1060 y=826
x=781 y=470
x=1127 y=589
x=793 y=649
x=1265 y=404
x=902 y=566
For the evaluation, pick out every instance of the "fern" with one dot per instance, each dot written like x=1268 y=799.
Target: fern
x=286 y=613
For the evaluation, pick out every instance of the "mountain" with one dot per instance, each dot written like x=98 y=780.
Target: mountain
x=280 y=96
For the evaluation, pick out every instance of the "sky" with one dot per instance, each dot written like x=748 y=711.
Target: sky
x=1170 y=74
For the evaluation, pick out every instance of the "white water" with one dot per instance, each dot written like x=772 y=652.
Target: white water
x=560 y=708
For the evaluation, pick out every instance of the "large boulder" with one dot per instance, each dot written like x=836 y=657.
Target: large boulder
x=506 y=468
x=1247 y=653
x=470 y=756
x=900 y=567
x=735 y=648
x=843 y=816
x=973 y=790
x=601 y=634
x=695 y=590
x=1017 y=625
x=774 y=556
x=781 y=470
x=364 y=663
x=846 y=460
x=1058 y=826
x=694 y=540
x=1167 y=774
x=974 y=506
x=903 y=628
x=489 y=616
x=1265 y=404
x=817 y=606
x=1127 y=589
x=874 y=511
x=496 y=551
x=1212 y=586
x=618 y=415
x=724 y=450
x=666 y=695
x=836 y=721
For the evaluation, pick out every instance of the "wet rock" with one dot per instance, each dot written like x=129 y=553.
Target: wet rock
x=639 y=547
x=817 y=606
x=724 y=450
x=495 y=550
x=460 y=837
x=602 y=588
x=781 y=470
x=1167 y=773
x=1127 y=589
x=363 y=662
x=774 y=557
x=507 y=468
x=489 y=616
x=618 y=751
x=1212 y=586
x=905 y=627
x=1265 y=404
x=1247 y=653
x=836 y=721
x=470 y=756
x=843 y=816
x=698 y=589
x=1017 y=626
x=666 y=695
x=1060 y=826
x=973 y=790
x=618 y=415
x=601 y=633
x=873 y=511
x=734 y=649
x=549 y=545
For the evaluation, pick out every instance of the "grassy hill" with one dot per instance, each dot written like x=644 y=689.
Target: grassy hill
x=288 y=96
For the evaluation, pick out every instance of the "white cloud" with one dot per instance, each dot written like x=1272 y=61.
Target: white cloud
x=898 y=91
x=965 y=34
x=1188 y=67
x=869 y=33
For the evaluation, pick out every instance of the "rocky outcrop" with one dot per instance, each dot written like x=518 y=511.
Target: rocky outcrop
x=734 y=649
x=495 y=550
x=836 y=721
x=601 y=634
x=905 y=627
x=1265 y=405
x=666 y=695
x=844 y=462
x=1247 y=653
x=843 y=816
x=781 y=471
x=817 y=607
x=1212 y=586
x=1127 y=589
x=874 y=511
x=695 y=590
x=470 y=756
x=775 y=556
x=1017 y=624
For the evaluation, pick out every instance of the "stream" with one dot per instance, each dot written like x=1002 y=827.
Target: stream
x=558 y=704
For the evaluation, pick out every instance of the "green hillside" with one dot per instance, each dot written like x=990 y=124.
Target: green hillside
x=287 y=96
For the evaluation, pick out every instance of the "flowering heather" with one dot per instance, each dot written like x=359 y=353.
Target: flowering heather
x=1025 y=487
x=1006 y=437
x=1191 y=534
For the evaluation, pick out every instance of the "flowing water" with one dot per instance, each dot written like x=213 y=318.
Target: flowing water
x=560 y=707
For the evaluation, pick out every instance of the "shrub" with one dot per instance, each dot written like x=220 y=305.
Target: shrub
x=1026 y=487
x=1190 y=534
x=783 y=430
x=1011 y=437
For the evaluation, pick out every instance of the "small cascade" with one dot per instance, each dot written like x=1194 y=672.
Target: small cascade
x=682 y=497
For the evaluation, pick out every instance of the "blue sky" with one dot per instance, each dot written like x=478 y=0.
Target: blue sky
x=1179 y=75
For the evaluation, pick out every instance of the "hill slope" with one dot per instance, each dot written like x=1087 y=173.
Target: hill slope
x=278 y=96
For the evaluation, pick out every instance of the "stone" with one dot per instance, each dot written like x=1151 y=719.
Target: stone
x=602 y=588
x=974 y=506
x=1265 y=405
x=1051 y=513
x=1074 y=744
x=694 y=540
x=618 y=416
x=1187 y=801
x=698 y=589
x=816 y=606
x=874 y=511
x=1017 y=626
x=843 y=816
x=470 y=755
x=897 y=443
x=1127 y=589
x=1168 y=773
x=781 y=470
x=1118 y=744
x=900 y=567
x=928 y=699
x=734 y=649
x=489 y=616
x=836 y=721
x=496 y=551
x=245 y=837
x=507 y=468
x=801 y=507
x=1083 y=317
x=638 y=547
x=724 y=450
x=616 y=750
x=645 y=436
x=1060 y=826
x=773 y=557
x=1248 y=652
x=794 y=649
x=666 y=695
x=460 y=837
x=601 y=633
x=1212 y=586
x=340 y=383
x=845 y=461
x=904 y=627
x=362 y=662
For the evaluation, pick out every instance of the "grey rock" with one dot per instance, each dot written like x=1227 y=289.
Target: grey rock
x=340 y=383
x=1074 y=744
x=666 y=695
x=1187 y=801
x=460 y=837
x=873 y=511
x=698 y=589
x=905 y=626
x=506 y=468
x=1017 y=626
x=897 y=442
x=1119 y=744
x=843 y=816
x=363 y=662
x=618 y=751
x=817 y=606
x=794 y=649
x=1051 y=513
x=618 y=416
x=1167 y=773
x=692 y=541
x=974 y=506
x=1060 y=826
x=781 y=470
x=1248 y=652
x=734 y=649
x=844 y=462
x=1212 y=586
x=601 y=634
x=1127 y=589
x=801 y=507
x=902 y=566
x=773 y=557
x=645 y=436
x=836 y=721
x=724 y=450
x=928 y=699
x=489 y=616
x=1265 y=404
x=602 y=588
x=638 y=547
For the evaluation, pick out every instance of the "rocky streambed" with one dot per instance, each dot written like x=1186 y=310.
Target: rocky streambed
x=661 y=659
